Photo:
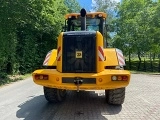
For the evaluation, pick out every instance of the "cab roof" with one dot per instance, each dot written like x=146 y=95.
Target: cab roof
x=89 y=14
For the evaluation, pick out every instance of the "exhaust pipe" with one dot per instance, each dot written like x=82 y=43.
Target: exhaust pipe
x=83 y=19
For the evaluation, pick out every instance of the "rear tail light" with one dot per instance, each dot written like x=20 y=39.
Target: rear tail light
x=41 y=77
x=119 y=78
x=124 y=78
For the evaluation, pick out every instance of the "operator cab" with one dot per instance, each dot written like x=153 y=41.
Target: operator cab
x=95 y=21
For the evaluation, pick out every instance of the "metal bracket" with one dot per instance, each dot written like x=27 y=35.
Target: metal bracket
x=78 y=81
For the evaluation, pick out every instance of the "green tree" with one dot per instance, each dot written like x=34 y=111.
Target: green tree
x=38 y=34
x=29 y=29
x=133 y=26
x=107 y=6
x=155 y=29
x=7 y=35
x=73 y=6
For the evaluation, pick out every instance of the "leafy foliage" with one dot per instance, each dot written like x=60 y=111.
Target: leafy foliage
x=107 y=6
x=29 y=29
x=73 y=6
x=135 y=27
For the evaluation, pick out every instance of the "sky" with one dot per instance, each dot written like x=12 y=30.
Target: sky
x=87 y=3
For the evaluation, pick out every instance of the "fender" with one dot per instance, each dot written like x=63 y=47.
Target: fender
x=50 y=59
x=113 y=57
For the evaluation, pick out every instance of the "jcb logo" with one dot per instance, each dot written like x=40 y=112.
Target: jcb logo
x=78 y=54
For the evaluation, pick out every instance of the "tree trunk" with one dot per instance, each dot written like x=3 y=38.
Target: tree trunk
x=144 y=66
x=154 y=55
x=151 y=65
x=150 y=56
x=9 y=66
x=130 y=60
x=139 y=63
x=159 y=66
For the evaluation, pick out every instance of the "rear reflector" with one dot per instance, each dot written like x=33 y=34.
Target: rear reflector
x=41 y=77
x=119 y=78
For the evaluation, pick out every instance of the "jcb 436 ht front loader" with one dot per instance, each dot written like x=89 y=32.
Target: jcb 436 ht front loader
x=81 y=61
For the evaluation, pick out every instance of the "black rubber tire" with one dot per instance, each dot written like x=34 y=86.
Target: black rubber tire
x=54 y=95
x=115 y=96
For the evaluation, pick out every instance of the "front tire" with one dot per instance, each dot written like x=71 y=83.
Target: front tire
x=54 y=95
x=115 y=96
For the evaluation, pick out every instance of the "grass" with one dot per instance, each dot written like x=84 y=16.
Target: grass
x=13 y=78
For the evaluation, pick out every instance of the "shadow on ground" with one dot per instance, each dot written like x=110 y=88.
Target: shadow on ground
x=85 y=105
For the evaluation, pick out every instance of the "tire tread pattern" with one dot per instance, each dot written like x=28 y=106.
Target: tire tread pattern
x=53 y=95
x=115 y=96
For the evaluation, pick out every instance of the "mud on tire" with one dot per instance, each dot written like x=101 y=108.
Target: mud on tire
x=54 y=95
x=115 y=96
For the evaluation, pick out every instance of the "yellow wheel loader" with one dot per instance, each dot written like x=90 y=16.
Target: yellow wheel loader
x=82 y=61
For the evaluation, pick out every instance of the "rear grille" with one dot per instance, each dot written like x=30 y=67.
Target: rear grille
x=79 y=52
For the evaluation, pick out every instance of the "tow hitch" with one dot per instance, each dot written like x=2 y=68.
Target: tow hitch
x=78 y=81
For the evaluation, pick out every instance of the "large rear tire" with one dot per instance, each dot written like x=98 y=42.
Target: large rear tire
x=54 y=95
x=115 y=96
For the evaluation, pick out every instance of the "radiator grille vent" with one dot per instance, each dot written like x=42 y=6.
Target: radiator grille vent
x=79 y=52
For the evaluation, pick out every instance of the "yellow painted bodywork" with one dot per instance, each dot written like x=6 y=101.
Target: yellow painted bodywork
x=99 y=42
x=52 y=60
x=102 y=75
x=111 y=57
x=55 y=75
x=60 y=42
x=91 y=15
x=109 y=53
x=55 y=79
